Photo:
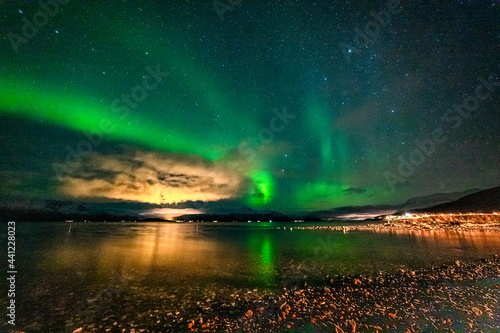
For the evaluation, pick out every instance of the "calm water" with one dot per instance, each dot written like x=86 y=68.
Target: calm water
x=257 y=254
x=55 y=260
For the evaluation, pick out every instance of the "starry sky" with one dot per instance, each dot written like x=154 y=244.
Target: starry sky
x=288 y=105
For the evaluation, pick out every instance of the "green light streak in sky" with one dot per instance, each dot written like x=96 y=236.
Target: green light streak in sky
x=198 y=81
x=341 y=157
x=318 y=194
x=263 y=190
x=333 y=145
x=80 y=113
x=320 y=124
x=327 y=188
x=190 y=82
x=193 y=113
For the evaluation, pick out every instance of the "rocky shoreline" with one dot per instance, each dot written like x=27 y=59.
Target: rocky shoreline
x=442 y=222
x=453 y=298
x=457 y=297
x=407 y=227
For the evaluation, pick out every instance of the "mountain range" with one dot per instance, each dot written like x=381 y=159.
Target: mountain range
x=486 y=201
x=473 y=200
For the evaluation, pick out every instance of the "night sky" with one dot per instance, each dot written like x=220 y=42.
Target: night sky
x=285 y=105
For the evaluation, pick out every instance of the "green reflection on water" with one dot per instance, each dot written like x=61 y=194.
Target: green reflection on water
x=262 y=258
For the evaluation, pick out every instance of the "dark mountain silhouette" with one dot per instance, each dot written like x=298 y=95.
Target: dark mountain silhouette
x=486 y=201
x=60 y=210
x=432 y=200
x=238 y=217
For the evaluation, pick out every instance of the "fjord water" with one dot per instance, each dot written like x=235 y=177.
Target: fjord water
x=67 y=268
x=240 y=254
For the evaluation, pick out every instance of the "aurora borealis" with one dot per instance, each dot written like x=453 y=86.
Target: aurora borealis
x=263 y=103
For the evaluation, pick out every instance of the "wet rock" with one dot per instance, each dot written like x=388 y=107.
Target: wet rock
x=351 y=326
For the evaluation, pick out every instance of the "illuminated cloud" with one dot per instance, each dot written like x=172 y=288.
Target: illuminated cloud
x=151 y=177
x=171 y=213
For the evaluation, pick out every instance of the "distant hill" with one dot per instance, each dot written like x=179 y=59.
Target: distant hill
x=24 y=215
x=485 y=201
x=238 y=217
x=59 y=210
x=432 y=200
x=355 y=212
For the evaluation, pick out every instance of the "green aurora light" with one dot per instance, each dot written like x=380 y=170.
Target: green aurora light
x=224 y=79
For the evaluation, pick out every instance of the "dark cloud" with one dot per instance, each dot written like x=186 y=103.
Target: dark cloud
x=354 y=190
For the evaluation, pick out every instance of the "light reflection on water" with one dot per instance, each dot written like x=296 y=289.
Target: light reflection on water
x=239 y=254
